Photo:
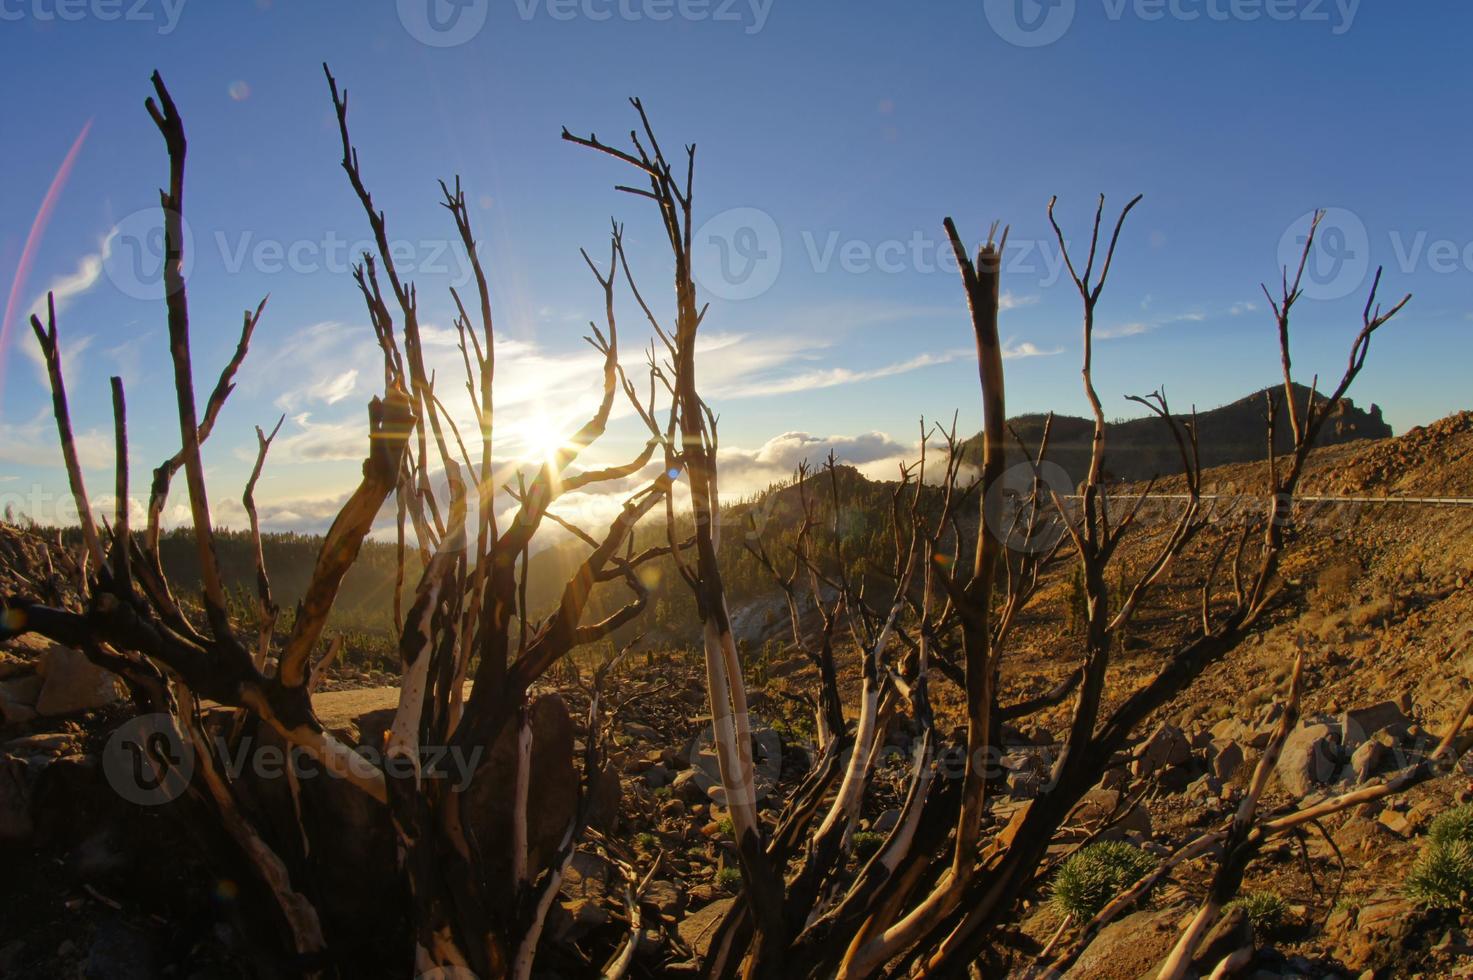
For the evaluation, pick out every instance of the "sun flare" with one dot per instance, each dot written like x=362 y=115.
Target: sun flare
x=542 y=438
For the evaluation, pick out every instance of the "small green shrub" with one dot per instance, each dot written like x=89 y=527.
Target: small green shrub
x=647 y=842
x=866 y=843
x=1442 y=875
x=1453 y=825
x=664 y=793
x=1265 y=910
x=729 y=879
x=726 y=827
x=1091 y=878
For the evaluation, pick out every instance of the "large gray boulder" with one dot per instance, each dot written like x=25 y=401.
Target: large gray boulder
x=18 y=697
x=15 y=802
x=71 y=683
x=1310 y=759
x=1359 y=725
x=697 y=929
x=1167 y=746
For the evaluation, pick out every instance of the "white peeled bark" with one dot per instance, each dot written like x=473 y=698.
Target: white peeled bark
x=851 y=790
x=527 y=949
x=519 y=815
x=404 y=733
x=736 y=779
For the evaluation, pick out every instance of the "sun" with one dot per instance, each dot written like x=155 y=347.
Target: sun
x=542 y=438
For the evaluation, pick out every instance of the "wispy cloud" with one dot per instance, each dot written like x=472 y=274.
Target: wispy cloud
x=833 y=377
x=1135 y=328
x=1013 y=350
x=68 y=287
x=34 y=443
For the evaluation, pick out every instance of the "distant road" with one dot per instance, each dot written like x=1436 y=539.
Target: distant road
x=1312 y=499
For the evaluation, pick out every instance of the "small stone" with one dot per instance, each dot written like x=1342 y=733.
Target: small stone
x=666 y=897
x=642 y=732
x=1367 y=760
x=1398 y=823
x=887 y=821
x=687 y=786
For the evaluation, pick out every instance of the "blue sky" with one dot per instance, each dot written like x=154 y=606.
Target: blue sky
x=834 y=137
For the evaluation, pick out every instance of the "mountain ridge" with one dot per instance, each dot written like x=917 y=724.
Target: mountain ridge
x=1142 y=448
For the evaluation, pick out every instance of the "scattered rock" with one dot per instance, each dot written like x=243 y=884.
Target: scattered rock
x=886 y=821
